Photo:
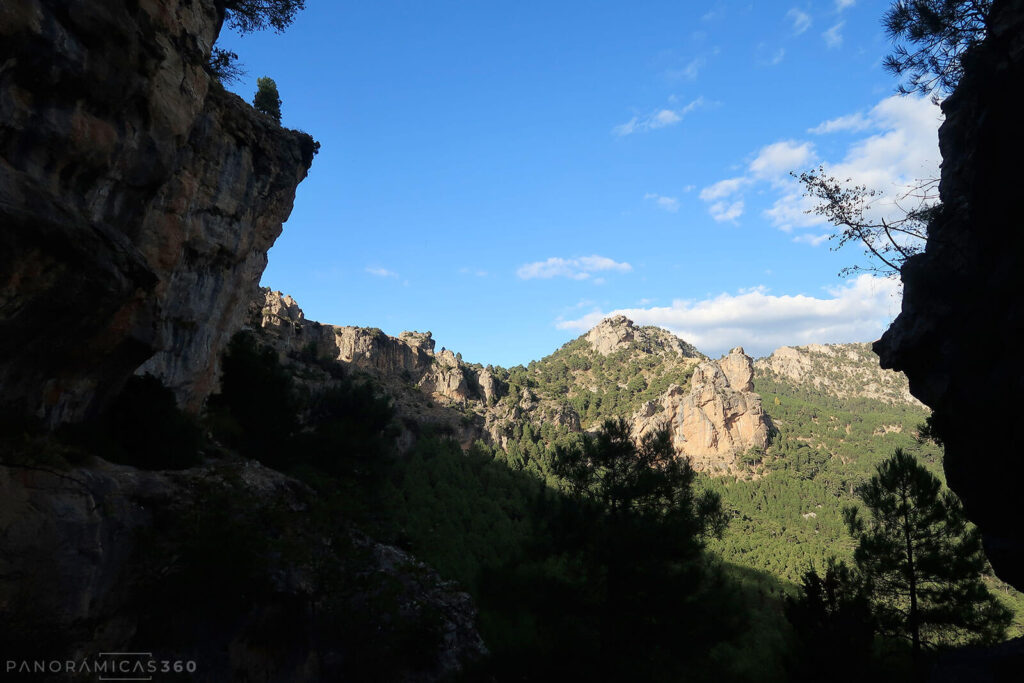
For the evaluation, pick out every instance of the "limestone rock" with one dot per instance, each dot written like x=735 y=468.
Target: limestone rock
x=715 y=421
x=138 y=200
x=738 y=369
x=618 y=332
x=959 y=333
x=843 y=370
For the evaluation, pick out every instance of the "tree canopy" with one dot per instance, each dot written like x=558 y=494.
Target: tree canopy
x=922 y=561
x=931 y=37
x=267 y=101
x=246 y=16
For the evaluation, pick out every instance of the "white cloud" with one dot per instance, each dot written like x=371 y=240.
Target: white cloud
x=473 y=271
x=902 y=149
x=670 y=204
x=833 y=37
x=779 y=158
x=777 y=57
x=381 y=272
x=580 y=268
x=901 y=146
x=843 y=4
x=801 y=20
x=851 y=122
x=657 y=119
x=811 y=239
x=723 y=188
x=761 y=322
x=722 y=211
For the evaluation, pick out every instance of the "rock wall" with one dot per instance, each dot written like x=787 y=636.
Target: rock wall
x=138 y=200
x=92 y=554
x=843 y=370
x=959 y=334
x=718 y=419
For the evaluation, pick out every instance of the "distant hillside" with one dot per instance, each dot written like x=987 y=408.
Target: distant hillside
x=840 y=370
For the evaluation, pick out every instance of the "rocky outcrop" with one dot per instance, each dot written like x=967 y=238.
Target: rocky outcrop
x=406 y=359
x=138 y=201
x=738 y=370
x=958 y=336
x=716 y=420
x=618 y=332
x=114 y=559
x=842 y=370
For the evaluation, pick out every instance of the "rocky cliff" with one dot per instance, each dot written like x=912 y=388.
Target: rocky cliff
x=841 y=370
x=717 y=420
x=713 y=416
x=138 y=201
x=958 y=336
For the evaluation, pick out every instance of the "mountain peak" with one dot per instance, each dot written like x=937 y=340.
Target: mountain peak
x=618 y=332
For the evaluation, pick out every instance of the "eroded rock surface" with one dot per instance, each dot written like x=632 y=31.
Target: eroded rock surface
x=842 y=370
x=138 y=200
x=716 y=420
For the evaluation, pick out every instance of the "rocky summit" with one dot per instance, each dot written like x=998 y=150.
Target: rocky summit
x=708 y=406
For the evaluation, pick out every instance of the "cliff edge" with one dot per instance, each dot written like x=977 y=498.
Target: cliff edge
x=138 y=200
x=958 y=336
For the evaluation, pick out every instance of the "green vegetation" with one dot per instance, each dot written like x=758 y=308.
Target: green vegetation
x=267 y=101
x=939 y=32
x=600 y=387
x=824 y=448
x=922 y=561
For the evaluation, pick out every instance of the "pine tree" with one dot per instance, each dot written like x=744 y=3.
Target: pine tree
x=267 y=101
x=922 y=560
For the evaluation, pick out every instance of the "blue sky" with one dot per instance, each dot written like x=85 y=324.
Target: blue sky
x=505 y=174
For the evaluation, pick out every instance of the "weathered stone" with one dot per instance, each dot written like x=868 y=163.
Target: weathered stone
x=138 y=200
x=618 y=332
x=843 y=370
x=714 y=422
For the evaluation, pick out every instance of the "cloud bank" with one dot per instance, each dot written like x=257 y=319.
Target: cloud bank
x=759 y=321
x=581 y=268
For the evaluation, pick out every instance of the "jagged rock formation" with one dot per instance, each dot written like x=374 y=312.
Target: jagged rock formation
x=409 y=357
x=842 y=370
x=717 y=420
x=98 y=555
x=427 y=388
x=138 y=201
x=958 y=336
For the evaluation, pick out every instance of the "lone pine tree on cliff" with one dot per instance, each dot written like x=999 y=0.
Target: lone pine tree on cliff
x=267 y=101
x=922 y=561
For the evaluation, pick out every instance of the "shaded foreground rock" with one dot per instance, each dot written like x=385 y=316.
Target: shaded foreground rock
x=229 y=566
x=138 y=200
x=959 y=334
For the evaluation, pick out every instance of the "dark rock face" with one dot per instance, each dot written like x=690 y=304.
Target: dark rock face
x=138 y=200
x=959 y=335
x=229 y=566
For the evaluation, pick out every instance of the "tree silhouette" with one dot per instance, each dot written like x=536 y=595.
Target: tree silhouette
x=922 y=561
x=939 y=33
x=246 y=16
x=267 y=101
x=888 y=242
x=832 y=622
